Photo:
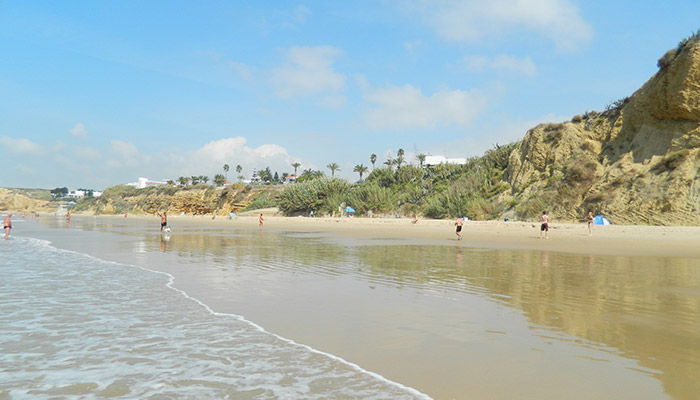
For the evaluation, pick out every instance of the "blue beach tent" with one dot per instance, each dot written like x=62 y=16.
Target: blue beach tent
x=600 y=220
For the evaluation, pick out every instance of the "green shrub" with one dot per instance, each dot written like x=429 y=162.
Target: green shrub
x=671 y=161
x=263 y=201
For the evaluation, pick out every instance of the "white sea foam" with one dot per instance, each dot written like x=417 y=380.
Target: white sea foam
x=76 y=326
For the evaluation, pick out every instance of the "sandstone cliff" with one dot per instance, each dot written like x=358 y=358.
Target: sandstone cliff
x=200 y=199
x=638 y=162
x=12 y=200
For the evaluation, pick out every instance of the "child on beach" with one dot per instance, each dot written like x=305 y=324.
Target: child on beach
x=589 y=219
x=459 y=223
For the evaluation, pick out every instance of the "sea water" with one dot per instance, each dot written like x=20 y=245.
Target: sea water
x=74 y=326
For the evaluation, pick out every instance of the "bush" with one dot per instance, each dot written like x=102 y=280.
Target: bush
x=314 y=195
x=264 y=201
x=671 y=161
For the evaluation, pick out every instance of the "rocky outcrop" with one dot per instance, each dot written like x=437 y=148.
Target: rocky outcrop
x=14 y=201
x=638 y=162
x=198 y=200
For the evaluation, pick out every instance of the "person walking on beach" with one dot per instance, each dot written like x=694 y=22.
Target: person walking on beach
x=459 y=223
x=68 y=216
x=163 y=220
x=260 y=220
x=415 y=219
x=544 y=228
x=7 y=225
x=589 y=219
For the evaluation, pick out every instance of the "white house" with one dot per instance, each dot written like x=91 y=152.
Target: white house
x=435 y=160
x=144 y=182
x=77 y=194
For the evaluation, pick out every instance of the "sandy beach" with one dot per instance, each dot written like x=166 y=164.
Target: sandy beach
x=623 y=240
x=499 y=314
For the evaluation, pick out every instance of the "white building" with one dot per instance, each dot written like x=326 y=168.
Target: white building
x=77 y=194
x=144 y=183
x=436 y=160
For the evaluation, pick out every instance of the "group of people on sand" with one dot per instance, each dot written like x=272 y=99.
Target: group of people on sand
x=544 y=225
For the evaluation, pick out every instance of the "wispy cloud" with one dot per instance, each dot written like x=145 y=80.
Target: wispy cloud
x=406 y=107
x=20 y=146
x=307 y=71
x=504 y=62
x=244 y=71
x=474 y=20
x=79 y=131
x=84 y=152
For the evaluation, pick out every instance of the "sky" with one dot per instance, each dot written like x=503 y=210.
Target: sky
x=99 y=93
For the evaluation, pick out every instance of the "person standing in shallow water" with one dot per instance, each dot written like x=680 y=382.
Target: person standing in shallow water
x=589 y=219
x=459 y=223
x=163 y=220
x=544 y=228
x=7 y=225
x=260 y=220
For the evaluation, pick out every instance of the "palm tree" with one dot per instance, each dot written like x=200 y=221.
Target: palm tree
x=219 y=179
x=195 y=179
x=421 y=158
x=389 y=162
x=238 y=171
x=360 y=169
x=333 y=167
x=398 y=161
x=226 y=168
x=306 y=175
x=203 y=178
x=183 y=180
x=373 y=159
x=296 y=165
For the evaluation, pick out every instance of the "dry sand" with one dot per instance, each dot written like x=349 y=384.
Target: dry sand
x=622 y=240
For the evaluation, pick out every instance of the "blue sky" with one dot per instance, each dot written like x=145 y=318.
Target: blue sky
x=98 y=93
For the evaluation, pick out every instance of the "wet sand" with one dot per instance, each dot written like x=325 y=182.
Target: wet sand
x=500 y=314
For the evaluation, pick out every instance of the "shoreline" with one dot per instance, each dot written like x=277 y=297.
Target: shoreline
x=613 y=240
x=422 y=327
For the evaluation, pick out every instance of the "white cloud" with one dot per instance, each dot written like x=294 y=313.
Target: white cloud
x=123 y=149
x=233 y=151
x=20 y=146
x=244 y=71
x=524 y=66
x=127 y=155
x=87 y=153
x=474 y=20
x=407 y=108
x=299 y=14
x=333 y=102
x=79 y=131
x=307 y=71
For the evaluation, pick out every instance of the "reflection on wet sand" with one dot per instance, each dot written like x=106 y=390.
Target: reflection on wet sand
x=642 y=308
x=647 y=309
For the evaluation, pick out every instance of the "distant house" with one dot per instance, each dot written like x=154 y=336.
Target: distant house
x=145 y=182
x=76 y=194
x=79 y=193
x=290 y=179
x=436 y=160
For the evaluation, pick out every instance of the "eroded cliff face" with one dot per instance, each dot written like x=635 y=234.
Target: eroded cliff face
x=12 y=201
x=636 y=163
